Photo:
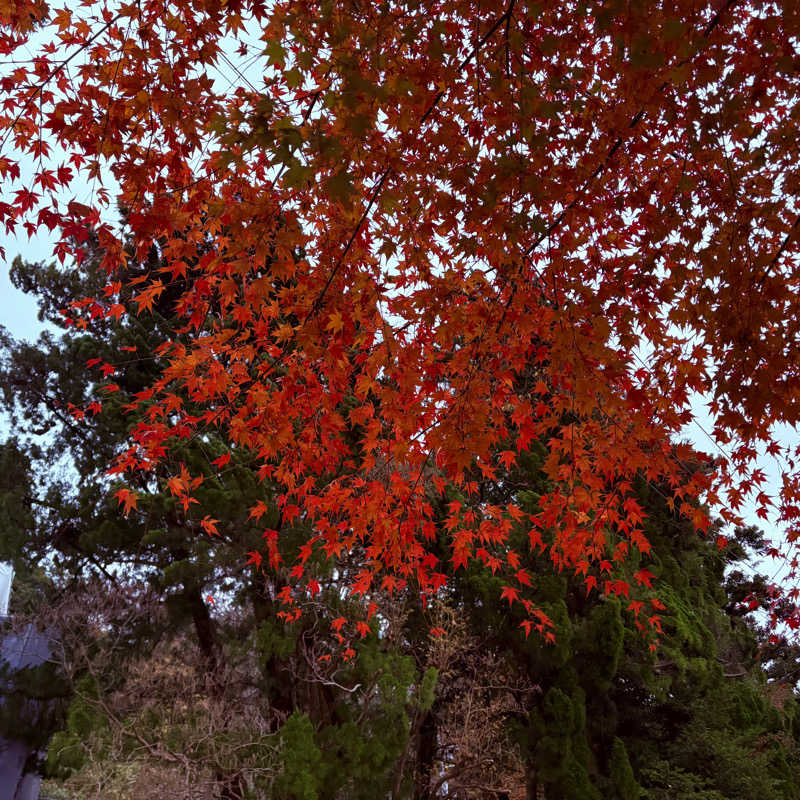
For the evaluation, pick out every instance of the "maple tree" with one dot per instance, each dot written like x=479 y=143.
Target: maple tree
x=445 y=230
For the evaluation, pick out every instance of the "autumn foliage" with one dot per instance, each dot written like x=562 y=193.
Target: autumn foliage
x=414 y=239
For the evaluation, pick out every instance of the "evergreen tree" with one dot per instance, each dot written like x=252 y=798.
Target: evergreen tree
x=695 y=720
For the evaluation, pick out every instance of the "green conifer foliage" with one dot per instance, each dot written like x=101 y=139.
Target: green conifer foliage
x=694 y=720
x=623 y=781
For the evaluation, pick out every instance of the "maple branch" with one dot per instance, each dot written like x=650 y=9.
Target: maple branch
x=714 y=21
x=781 y=251
x=508 y=52
x=600 y=169
x=338 y=265
x=618 y=143
x=506 y=15
x=56 y=71
x=107 y=115
x=567 y=208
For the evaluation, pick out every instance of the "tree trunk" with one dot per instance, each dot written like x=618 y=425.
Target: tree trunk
x=203 y=627
x=531 y=785
x=426 y=750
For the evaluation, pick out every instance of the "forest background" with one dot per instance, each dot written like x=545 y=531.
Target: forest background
x=158 y=688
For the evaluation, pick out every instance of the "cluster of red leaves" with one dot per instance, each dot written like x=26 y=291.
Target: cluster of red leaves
x=430 y=234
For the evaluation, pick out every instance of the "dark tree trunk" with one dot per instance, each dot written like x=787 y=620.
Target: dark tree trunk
x=203 y=627
x=531 y=785
x=426 y=751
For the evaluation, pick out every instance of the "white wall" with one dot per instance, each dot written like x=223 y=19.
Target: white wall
x=6 y=576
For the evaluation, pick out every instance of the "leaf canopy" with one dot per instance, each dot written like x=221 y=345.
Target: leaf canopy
x=413 y=240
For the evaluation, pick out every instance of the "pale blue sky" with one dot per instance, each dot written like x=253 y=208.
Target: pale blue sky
x=18 y=310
